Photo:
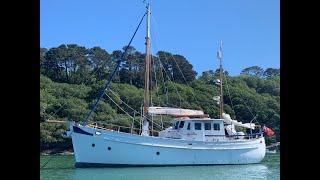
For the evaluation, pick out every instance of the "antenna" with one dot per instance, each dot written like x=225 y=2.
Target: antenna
x=219 y=52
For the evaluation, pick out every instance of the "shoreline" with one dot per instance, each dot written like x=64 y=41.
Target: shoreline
x=55 y=152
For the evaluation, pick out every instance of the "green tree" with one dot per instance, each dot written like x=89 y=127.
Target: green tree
x=101 y=62
x=176 y=67
x=253 y=70
x=182 y=70
x=43 y=52
x=271 y=72
x=79 y=64
x=51 y=64
x=71 y=78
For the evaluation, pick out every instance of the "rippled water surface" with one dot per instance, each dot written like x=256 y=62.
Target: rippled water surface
x=62 y=168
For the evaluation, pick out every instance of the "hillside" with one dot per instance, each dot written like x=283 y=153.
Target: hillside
x=71 y=76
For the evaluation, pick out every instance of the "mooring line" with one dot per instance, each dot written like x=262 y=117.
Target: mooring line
x=47 y=162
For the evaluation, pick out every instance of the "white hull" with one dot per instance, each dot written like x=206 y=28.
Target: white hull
x=135 y=150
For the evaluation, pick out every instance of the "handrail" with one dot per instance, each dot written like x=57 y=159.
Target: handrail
x=55 y=121
x=115 y=127
x=118 y=128
x=254 y=134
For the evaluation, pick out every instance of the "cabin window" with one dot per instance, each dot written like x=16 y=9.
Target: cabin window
x=188 y=126
x=197 y=126
x=216 y=126
x=207 y=126
x=176 y=125
x=181 y=124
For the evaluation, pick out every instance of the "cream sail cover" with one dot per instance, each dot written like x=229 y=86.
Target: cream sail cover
x=174 y=111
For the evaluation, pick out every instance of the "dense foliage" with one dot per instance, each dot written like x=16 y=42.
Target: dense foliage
x=71 y=77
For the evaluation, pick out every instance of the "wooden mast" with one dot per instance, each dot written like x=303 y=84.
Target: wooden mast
x=219 y=55
x=146 y=102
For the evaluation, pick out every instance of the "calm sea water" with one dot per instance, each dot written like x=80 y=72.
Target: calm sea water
x=62 y=168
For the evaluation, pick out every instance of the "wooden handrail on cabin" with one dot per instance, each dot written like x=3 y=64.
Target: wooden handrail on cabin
x=119 y=128
x=55 y=121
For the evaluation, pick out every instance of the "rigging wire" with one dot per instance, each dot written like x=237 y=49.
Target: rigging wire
x=165 y=87
x=156 y=82
x=47 y=161
x=115 y=70
x=248 y=108
x=246 y=105
x=174 y=59
x=175 y=87
x=151 y=77
x=185 y=80
x=61 y=106
x=118 y=106
x=135 y=111
x=228 y=90
x=157 y=88
x=167 y=74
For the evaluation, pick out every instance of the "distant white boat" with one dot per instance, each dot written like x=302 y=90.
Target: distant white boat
x=271 y=151
x=193 y=138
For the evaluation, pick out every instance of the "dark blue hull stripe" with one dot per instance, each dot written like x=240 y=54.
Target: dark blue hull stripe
x=81 y=131
x=97 y=165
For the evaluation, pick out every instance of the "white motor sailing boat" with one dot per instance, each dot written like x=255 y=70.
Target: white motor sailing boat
x=193 y=139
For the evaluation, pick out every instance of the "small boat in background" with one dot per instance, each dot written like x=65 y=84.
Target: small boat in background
x=274 y=146
x=271 y=151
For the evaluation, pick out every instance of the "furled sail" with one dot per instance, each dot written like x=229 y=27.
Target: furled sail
x=227 y=119
x=174 y=111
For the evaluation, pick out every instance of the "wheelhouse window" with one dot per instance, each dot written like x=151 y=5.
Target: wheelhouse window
x=207 y=126
x=197 y=126
x=188 y=127
x=216 y=126
x=176 y=125
x=181 y=124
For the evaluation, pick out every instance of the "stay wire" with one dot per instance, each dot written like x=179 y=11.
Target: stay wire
x=56 y=111
x=225 y=77
x=127 y=106
x=169 y=77
x=114 y=71
x=174 y=59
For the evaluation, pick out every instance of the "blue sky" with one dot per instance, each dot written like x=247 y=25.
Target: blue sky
x=250 y=29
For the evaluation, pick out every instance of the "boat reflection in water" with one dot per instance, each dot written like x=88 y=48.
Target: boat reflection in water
x=230 y=172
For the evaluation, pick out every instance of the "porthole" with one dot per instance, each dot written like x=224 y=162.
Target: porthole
x=158 y=153
x=93 y=145
x=109 y=148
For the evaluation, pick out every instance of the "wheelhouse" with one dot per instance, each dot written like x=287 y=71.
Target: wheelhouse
x=197 y=129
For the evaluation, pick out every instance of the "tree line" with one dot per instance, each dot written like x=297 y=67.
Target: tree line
x=71 y=76
x=76 y=64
